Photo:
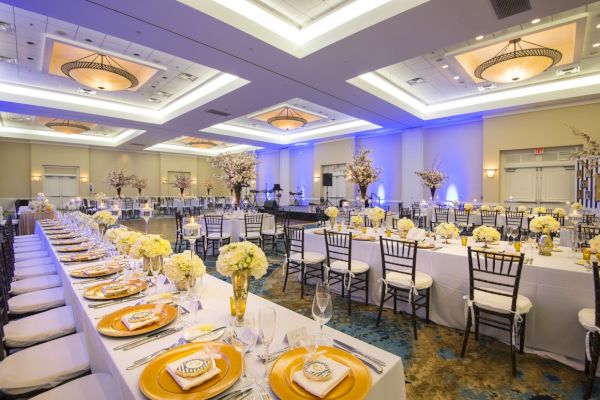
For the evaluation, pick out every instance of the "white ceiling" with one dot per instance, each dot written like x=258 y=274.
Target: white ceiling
x=301 y=12
x=33 y=122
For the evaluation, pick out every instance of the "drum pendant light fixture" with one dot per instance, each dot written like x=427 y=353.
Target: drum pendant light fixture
x=101 y=72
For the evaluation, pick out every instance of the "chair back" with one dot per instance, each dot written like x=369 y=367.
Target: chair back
x=489 y=218
x=596 y=272
x=282 y=220
x=588 y=232
x=441 y=214
x=514 y=219
x=589 y=219
x=462 y=217
x=398 y=256
x=253 y=223
x=339 y=247
x=493 y=272
x=405 y=213
x=294 y=241
x=400 y=206
x=213 y=224
x=416 y=210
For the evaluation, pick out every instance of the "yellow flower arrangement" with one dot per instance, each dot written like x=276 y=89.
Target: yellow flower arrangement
x=113 y=234
x=104 y=218
x=183 y=265
x=151 y=246
x=240 y=256
x=559 y=212
x=332 y=212
x=545 y=224
x=376 y=214
x=126 y=239
x=447 y=230
x=468 y=207
x=486 y=233
x=485 y=207
x=405 y=225
x=356 y=220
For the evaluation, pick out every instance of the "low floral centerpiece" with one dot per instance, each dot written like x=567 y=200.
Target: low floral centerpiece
x=182 y=269
x=362 y=172
x=376 y=215
x=485 y=207
x=447 y=230
x=576 y=206
x=539 y=210
x=559 y=212
x=499 y=209
x=118 y=180
x=240 y=261
x=41 y=206
x=332 y=213
x=113 y=234
x=126 y=239
x=356 y=221
x=486 y=234
x=546 y=225
x=404 y=225
x=522 y=209
x=104 y=219
x=595 y=244
x=152 y=249
x=433 y=178
x=468 y=207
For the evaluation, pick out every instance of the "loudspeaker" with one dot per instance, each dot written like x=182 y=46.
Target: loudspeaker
x=327 y=179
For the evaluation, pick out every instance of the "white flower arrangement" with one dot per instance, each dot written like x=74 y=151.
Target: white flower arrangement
x=522 y=209
x=595 y=244
x=500 y=209
x=118 y=180
x=126 y=239
x=151 y=246
x=362 y=172
x=405 y=224
x=356 y=220
x=538 y=210
x=242 y=255
x=545 y=224
x=183 y=265
x=376 y=214
x=432 y=178
x=104 y=217
x=41 y=206
x=239 y=169
x=485 y=207
x=468 y=207
x=332 y=212
x=138 y=183
x=576 y=206
x=113 y=234
x=486 y=233
x=559 y=212
x=40 y=196
x=447 y=230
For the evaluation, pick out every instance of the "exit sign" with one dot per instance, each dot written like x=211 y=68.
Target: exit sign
x=539 y=150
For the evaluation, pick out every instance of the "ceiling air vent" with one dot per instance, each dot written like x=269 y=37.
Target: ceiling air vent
x=217 y=112
x=507 y=8
x=137 y=144
x=415 y=81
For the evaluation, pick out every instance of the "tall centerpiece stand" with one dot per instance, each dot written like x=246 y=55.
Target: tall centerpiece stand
x=147 y=213
x=191 y=231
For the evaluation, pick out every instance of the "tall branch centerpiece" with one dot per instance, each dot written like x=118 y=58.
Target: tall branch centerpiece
x=182 y=182
x=433 y=178
x=239 y=170
x=118 y=180
x=139 y=183
x=362 y=172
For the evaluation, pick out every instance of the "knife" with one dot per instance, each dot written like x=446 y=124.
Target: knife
x=234 y=394
x=151 y=339
x=355 y=350
x=111 y=303
x=206 y=334
x=364 y=360
x=156 y=333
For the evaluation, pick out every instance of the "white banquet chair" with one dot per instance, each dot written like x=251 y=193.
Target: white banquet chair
x=98 y=386
x=37 y=301
x=252 y=229
x=38 y=328
x=36 y=283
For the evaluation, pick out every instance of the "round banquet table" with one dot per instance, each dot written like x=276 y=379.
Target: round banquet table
x=235 y=225
x=27 y=220
x=556 y=285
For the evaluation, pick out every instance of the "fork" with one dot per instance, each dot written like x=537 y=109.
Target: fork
x=152 y=356
x=264 y=395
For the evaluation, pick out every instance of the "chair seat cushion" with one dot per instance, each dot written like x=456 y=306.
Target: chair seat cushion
x=45 y=365
x=40 y=327
x=22 y=238
x=309 y=257
x=499 y=303
x=90 y=387
x=30 y=255
x=33 y=284
x=216 y=235
x=356 y=266
x=27 y=246
x=273 y=232
x=32 y=272
x=40 y=300
x=251 y=235
x=422 y=280
x=33 y=262
x=587 y=318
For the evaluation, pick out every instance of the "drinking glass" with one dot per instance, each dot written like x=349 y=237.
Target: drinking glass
x=155 y=267
x=243 y=339
x=267 y=320
x=322 y=308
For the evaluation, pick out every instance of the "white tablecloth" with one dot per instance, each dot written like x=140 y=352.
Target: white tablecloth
x=474 y=218
x=557 y=286
x=215 y=301
x=236 y=225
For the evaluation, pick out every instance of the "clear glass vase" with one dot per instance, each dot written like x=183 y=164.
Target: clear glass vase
x=240 y=281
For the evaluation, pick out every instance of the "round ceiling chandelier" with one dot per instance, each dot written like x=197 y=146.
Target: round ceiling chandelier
x=67 y=126
x=202 y=144
x=287 y=119
x=101 y=72
x=514 y=63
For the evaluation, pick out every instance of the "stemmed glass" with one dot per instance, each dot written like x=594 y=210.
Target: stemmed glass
x=243 y=339
x=322 y=308
x=155 y=267
x=267 y=320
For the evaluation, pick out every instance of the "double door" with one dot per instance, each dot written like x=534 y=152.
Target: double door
x=545 y=186
x=60 y=189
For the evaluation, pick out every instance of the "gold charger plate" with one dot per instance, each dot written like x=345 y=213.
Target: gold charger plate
x=70 y=235
x=156 y=382
x=111 y=324
x=80 y=272
x=355 y=386
x=76 y=248
x=95 y=292
x=425 y=245
x=64 y=242
x=364 y=238
x=80 y=257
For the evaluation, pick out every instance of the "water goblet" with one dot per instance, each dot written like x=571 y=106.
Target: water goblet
x=243 y=339
x=267 y=321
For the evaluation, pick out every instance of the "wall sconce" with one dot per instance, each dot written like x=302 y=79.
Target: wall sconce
x=316 y=179
x=163 y=180
x=84 y=179
x=36 y=178
x=490 y=172
x=194 y=181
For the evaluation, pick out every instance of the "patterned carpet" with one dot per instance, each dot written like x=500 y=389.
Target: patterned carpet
x=433 y=366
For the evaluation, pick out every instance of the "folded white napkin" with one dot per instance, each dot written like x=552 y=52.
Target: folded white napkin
x=133 y=325
x=188 y=383
x=322 y=388
x=416 y=234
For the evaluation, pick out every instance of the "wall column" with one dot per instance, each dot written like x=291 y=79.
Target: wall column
x=412 y=160
x=284 y=176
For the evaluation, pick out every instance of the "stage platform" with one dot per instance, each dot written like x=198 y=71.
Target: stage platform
x=302 y=213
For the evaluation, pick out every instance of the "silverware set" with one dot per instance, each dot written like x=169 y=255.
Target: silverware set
x=370 y=361
x=113 y=302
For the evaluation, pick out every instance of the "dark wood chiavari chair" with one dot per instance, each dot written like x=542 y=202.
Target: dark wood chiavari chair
x=587 y=232
x=489 y=218
x=401 y=280
x=178 y=232
x=589 y=219
x=215 y=238
x=282 y=220
x=462 y=218
x=252 y=229
x=353 y=275
x=494 y=297
x=589 y=318
x=405 y=213
x=307 y=263
x=400 y=207
x=441 y=214
x=418 y=216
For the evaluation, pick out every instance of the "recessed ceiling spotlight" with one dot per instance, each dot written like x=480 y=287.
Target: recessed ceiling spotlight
x=568 y=71
x=86 y=91
x=456 y=77
x=489 y=86
x=187 y=77
x=415 y=81
x=5 y=26
x=535 y=21
x=30 y=43
x=153 y=100
x=596 y=45
x=479 y=37
x=445 y=66
x=88 y=40
x=163 y=93
x=61 y=33
x=9 y=60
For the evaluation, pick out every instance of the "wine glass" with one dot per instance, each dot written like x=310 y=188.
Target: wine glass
x=322 y=309
x=155 y=268
x=243 y=339
x=267 y=320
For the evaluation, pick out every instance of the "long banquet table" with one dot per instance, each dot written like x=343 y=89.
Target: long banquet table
x=215 y=302
x=556 y=285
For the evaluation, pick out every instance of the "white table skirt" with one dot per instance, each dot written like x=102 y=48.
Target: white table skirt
x=236 y=226
x=215 y=301
x=557 y=287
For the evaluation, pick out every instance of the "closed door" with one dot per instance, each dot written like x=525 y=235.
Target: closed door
x=548 y=186
x=60 y=189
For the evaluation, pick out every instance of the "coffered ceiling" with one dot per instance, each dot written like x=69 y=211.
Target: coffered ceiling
x=346 y=62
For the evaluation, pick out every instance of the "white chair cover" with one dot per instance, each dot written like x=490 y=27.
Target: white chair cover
x=40 y=327
x=40 y=300
x=31 y=272
x=90 y=387
x=33 y=284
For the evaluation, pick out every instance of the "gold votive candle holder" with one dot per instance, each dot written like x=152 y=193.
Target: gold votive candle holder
x=587 y=253
x=388 y=232
x=517 y=245
x=364 y=230
x=463 y=240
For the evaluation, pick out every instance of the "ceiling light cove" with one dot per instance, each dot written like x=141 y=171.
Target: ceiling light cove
x=100 y=71
x=338 y=23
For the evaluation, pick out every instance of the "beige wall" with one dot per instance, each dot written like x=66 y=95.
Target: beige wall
x=546 y=128
x=15 y=179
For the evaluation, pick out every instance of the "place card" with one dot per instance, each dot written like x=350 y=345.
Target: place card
x=294 y=336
